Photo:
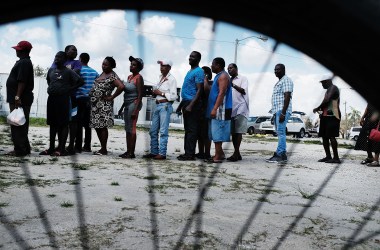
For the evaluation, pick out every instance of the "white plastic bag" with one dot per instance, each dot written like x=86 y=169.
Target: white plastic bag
x=16 y=117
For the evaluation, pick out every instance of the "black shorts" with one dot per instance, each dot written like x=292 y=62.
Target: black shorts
x=58 y=110
x=329 y=127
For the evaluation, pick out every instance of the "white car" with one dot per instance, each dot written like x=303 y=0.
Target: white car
x=354 y=133
x=294 y=126
x=254 y=124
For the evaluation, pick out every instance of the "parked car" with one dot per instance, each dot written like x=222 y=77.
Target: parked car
x=354 y=133
x=254 y=124
x=312 y=132
x=294 y=126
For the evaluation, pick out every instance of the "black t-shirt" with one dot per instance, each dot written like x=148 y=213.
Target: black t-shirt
x=22 y=71
x=62 y=81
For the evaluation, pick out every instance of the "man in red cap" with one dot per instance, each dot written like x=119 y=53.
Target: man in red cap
x=20 y=84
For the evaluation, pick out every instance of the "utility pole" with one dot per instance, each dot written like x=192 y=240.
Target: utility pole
x=345 y=113
x=262 y=38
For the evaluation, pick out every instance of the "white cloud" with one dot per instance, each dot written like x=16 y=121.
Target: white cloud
x=203 y=33
x=159 y=31
x=37 y=33
x=251 y=53
x=104 y=35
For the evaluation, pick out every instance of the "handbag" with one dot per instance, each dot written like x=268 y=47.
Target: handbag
x=16 y=117
x=374 y=135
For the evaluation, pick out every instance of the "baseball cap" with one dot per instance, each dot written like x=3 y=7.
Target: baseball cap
x=139 y=60
x=23 y=45
x=165 y=62
x=326 y=77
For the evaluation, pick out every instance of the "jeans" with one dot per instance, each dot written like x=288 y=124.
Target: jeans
x=281 y=132
x=160 y=125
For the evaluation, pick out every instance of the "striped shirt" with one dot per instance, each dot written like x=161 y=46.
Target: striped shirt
x=285 y=84
x=89 y=75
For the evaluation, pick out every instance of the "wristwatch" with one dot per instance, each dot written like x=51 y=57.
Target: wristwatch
x=17 y=98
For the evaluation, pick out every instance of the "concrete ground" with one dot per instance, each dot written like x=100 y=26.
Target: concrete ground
x=106 y=202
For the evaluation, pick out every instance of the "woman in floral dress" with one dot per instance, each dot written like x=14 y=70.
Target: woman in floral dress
x=102 y=102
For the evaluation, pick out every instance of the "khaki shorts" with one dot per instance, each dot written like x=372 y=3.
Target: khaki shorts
x=239 y=124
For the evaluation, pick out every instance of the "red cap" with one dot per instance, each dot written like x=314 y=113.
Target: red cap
x=23 y=45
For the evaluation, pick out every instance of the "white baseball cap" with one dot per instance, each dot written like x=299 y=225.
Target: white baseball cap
x=165 y=62
x=326 y=77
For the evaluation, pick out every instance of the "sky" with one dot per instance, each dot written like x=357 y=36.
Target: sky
x=162 y=35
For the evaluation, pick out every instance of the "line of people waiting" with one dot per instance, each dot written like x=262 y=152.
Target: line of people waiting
x=213 y=110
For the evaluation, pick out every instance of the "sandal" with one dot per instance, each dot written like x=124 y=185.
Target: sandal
x=373 y=164
x=59 y=153
x=366 y=160
x=211 y=160
x=99 y=153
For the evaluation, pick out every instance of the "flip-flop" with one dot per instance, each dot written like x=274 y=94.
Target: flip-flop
x=211 y=160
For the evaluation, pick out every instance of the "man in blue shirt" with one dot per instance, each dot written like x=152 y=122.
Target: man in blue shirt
x=88 y=75
x=191 y=105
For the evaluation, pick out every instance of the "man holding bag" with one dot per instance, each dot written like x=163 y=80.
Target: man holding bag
x=20 y=84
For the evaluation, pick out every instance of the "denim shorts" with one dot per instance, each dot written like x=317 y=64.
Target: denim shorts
x=219 y=130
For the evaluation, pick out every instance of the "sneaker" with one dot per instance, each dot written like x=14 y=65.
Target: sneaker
x=274 y=157
x=324 y=159
x=284 y=158
x=149 y=156
x=159 y=157
x=186 y=157
x=333 y=161
x=200 y=156
x=86 y=149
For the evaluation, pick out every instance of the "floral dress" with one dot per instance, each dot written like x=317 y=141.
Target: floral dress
x=101 y=110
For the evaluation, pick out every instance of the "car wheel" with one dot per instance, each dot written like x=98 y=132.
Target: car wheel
x=356 y=138
x=251 y=130
x=301 y=134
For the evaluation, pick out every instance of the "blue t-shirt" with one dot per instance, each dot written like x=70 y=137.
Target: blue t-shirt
x=225 y=109
x=88 y=75
x=189 y=87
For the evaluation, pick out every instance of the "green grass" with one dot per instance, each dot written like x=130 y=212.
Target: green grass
x=4 y=204
x=67 y=204
x=78 y=166
x=118 y=198
x=305 y=195
x=33 y=121
x=51 y=195
x=114 y=183
x=152 y=177
x=38 y=162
